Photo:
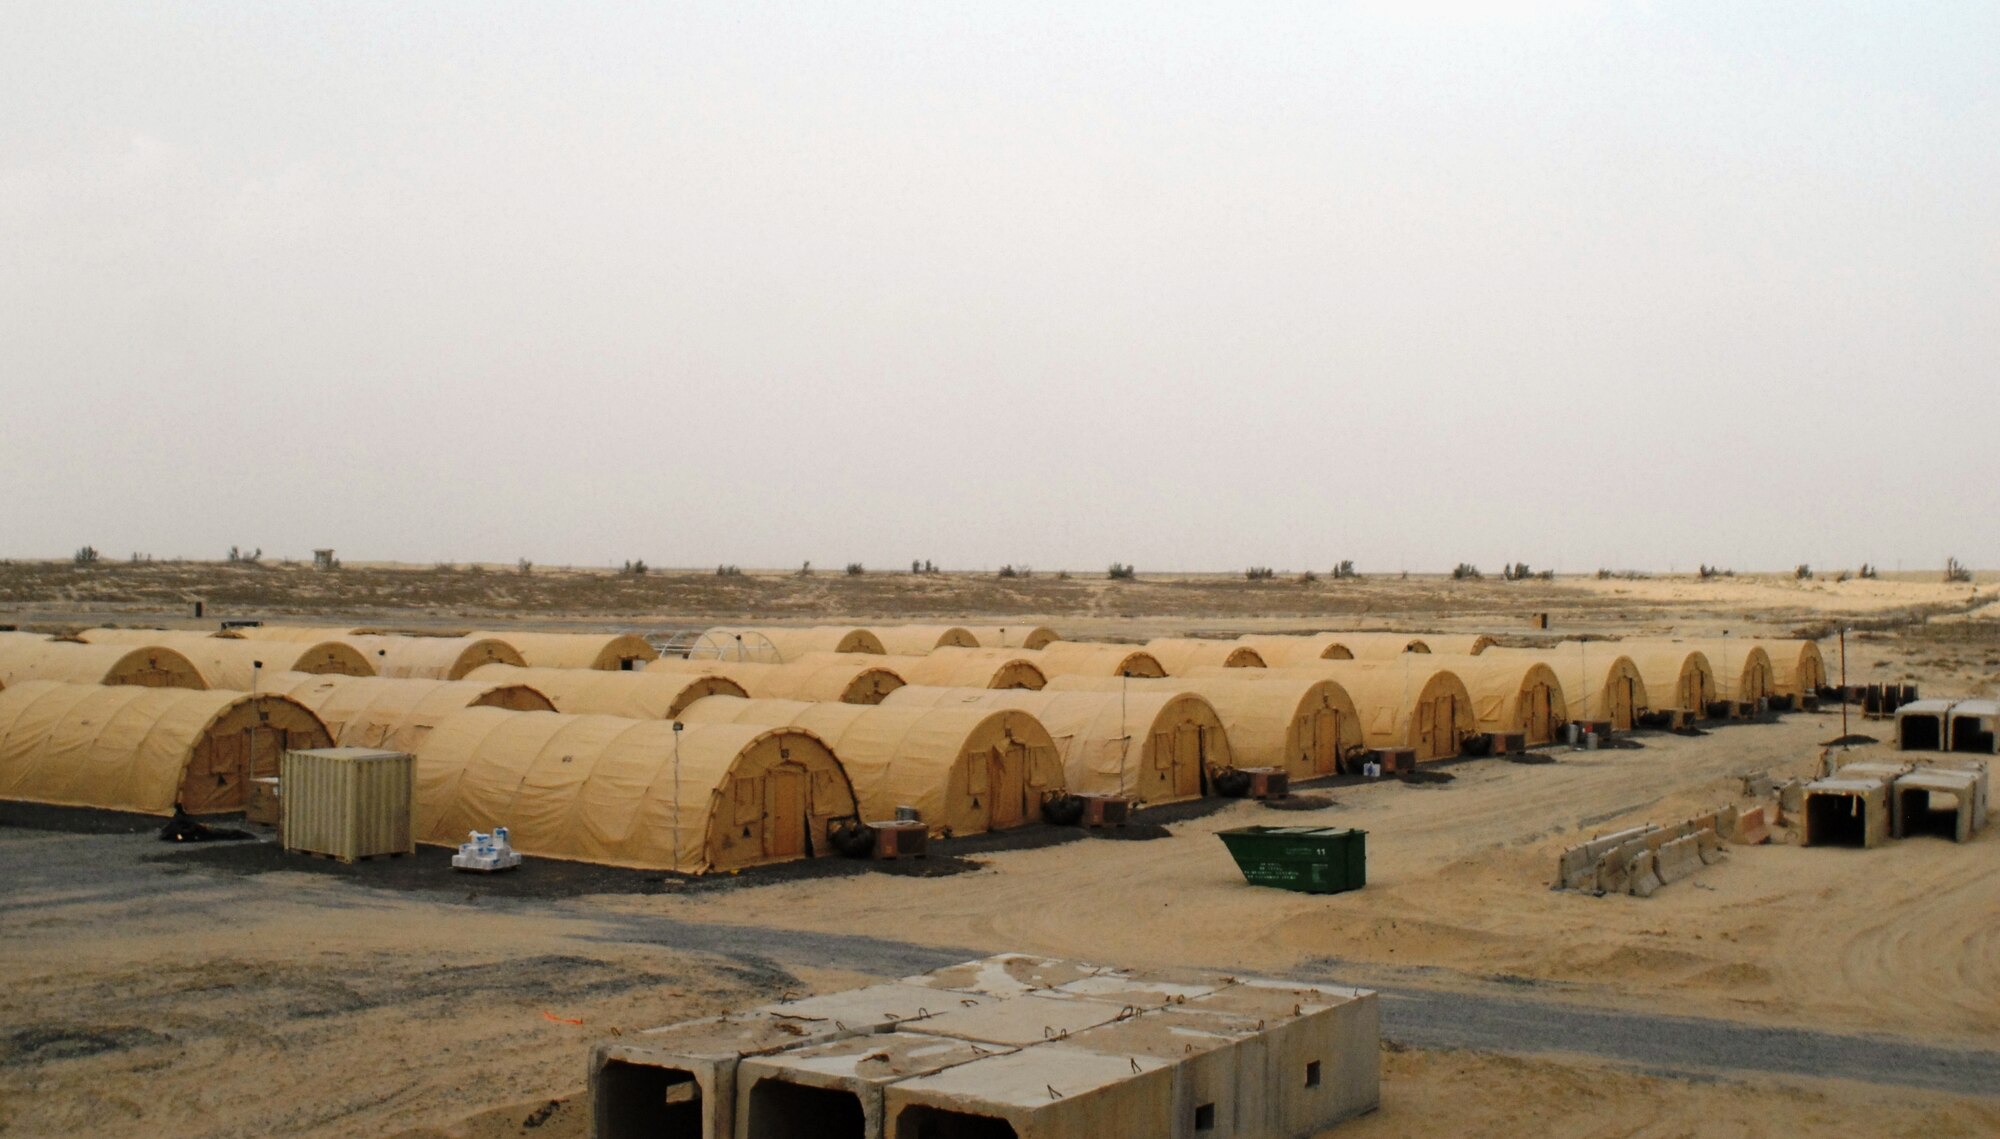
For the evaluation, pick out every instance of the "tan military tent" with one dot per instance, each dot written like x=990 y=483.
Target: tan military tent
x=1405 y=703
x=378 y=712
x=658 y=695
x=1273 y=718
x=69 y=662
x=1599 y=680
x=1797 y=667
x=1159 y=747
x=1676 y=676
x=1383 y=646
x=1511 y=694
x=789 y=643
x=1458 y=644
x=966 y=770
x=1088 y=658
x=1179 y=654
x=1022 y=636
x=311 y=634
x=631 y=792
x=1743 y=671
x=232 y=663
x=965 y=668
x=836 y=677
x=1277 y=650
x=607 y=652
x=128 y=748
x=917 y=640
x=432 y=658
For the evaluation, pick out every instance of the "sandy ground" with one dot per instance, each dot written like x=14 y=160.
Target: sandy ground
x=144 y=993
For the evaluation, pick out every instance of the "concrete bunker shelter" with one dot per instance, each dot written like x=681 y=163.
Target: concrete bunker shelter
x=917 y=640
x=970 y=668
x=1950 y=802
x=1282 y=650
x=129 y=748
x=966 y=770
x=1181 y=655
x=1922 y=725
x=26 y=658
x=1013 y=636
x=646 y=695
x=1105 y=1055
x=1850 y=809
x=1601 y=683
x=1678 y=678
x=1975 y=727
x=789 y=643
x=631 y=793
x=604 y=652
x=395 y=715
x=1512 y=694
x=1306 y=725
x=1089 y=658
x=848 y=678
x=1405 y=703
x=1158 y=747
x=241 y=665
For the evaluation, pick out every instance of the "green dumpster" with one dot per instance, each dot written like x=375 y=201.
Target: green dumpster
x=1312 y=860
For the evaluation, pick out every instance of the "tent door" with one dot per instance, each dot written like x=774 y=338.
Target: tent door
x=215 y=774
x=1539 y=715
x=1325 y=735
x=1187 y=761
x=1007 y=786
x=785 y=812
x=1426 y=741
x=264 y=747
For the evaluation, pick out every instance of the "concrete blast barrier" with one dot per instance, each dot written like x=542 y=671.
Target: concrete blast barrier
x=1975 y=727
x=1010 y=1046
x=1921 y=726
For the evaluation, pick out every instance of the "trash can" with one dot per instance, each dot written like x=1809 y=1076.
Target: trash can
x=1311 y=860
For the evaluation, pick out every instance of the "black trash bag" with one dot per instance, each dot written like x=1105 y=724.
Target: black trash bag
x=1062 y=809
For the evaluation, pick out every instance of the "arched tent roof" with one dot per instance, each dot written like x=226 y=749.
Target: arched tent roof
x=69 y=662
x=609 y=652
x=308 y=633
x=655 y=695
x=791 y=643
x=1677 y=676
x=1600 y=682
x=1160 y=747
x=917 y=640
x=432 y=658
x=1274 y=718
x=377 y=712
x=1383 y=646
x=231 y=662
x=1089 y=658
x=851 y=678
x=1511 y=693
x=1743 y=670
x=1405 y=703
x=1458 y=644
x=1022 y=636
x=635 y=793
x=1798 y=668
x=965 y=668
x=1179 y=654
x=966 y=770
x=1280 y=650
x=126 y=748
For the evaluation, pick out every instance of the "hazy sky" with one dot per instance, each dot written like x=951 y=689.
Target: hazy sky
x=1188 y=286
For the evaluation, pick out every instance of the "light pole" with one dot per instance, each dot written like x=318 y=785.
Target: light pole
x=677 y=796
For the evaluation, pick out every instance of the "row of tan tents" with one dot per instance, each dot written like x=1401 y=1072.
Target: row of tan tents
x=582 y=780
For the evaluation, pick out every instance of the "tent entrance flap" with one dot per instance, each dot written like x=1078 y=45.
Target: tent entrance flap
x=787 y=829
x=1008 y=786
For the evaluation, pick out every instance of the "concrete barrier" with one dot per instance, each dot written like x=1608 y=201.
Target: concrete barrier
x=1642 y=875
x=1708 y=844
x=1752 y=828
x=1678 y=859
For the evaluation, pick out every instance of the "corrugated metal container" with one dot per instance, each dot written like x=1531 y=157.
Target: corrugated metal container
x=348 y=802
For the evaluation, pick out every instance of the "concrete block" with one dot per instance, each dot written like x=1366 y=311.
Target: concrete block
x=835 y=1089
x=1938 y=801
x=1678 y=859
x=1218 y=1059
x=1708 y=844
x=1642 y=877
x=1322 y=1044
x=876 y=1007
x=1846 y=812
x=1791 y=798
x=680 y=1080
x=1008 y=975
x=1054 y=1091
x=1143 y=989
x=1752 y=828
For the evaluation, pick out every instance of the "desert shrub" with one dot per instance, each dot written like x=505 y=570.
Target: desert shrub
x=1121 y=571
x=854 y=569
x=1260 y=573
x=1466 y=571
x=1308 y=578
x=86 y=556
x=728 y=571
x=1953 y=571
x=1803 y=573
x=524 y=567
x=636 y=568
